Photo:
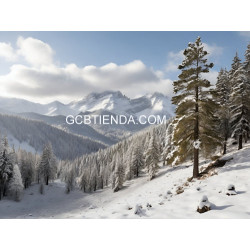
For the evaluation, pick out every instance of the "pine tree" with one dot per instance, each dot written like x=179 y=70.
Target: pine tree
x=129 y=172
x=196 y=127
x=239 y=102
x=119 y=175
x=246 y=66
x=169 y=147
x=152 y=158
x=137 y=161
x=27 y=165
x=47 y=167
x=16 y=185
x=222 y=94
x=6 y=166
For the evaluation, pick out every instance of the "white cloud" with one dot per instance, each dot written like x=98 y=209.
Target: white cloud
x=36 y=52
x=213 y=50
x=7 y=52
x=174 y=59
x=47 y=83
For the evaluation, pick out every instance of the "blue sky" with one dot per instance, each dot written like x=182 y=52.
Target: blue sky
x=156 y=55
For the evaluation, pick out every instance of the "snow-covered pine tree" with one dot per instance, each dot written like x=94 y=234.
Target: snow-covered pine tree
x=69 y=178
x=93 y=178
x=26 y=162
x=137 y=161
x=47 y=166
x=222 y=94
x=118 y=175
x=129 y=167
x=246 y=66
x=15 y=187
x=6 y=166
x=239 y=102
x=169 y=148
x=196 y=127
x=152 y=158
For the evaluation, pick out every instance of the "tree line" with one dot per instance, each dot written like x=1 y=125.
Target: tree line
x=18 y=170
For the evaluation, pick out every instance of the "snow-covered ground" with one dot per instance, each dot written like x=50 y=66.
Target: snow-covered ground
x=160 y=193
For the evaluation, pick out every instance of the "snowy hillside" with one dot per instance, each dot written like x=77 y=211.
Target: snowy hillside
x=160 y=195
x=33 y=135
x=83 y=130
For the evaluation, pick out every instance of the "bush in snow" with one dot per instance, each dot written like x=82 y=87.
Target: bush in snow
x=204 y=205
x=16 y=184
x=231 y=190
x=148 y=206
x=138 y=210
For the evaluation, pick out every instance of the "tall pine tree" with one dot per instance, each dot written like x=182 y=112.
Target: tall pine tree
x=239 y=101
x=152 y=157
x=222 y=94
x=196 y=124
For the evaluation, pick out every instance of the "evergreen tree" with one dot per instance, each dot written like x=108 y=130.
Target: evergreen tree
x=119 y=175
x=169 y=147
x=47 y=167
x=246 y=66
x=6 y=166
x=196 y=127
x=152 y=158
x=239 y=102
x=129 y=172
x=222 y=94
x=16 y=185
x=27 y=164
x=137 y=161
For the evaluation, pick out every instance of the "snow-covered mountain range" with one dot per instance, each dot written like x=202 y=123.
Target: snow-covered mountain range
x=114 y=102
x=105 y=103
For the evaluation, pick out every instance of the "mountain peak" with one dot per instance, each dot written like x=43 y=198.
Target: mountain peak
x=97 y=95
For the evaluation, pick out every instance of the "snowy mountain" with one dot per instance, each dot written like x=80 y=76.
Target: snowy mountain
x=105 y=103
x=83 y=130
x=32 y=135
x=114 y=102
x=117 y=103
x=15 y=105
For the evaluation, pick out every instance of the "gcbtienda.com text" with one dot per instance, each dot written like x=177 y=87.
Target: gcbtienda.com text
x=115 y=119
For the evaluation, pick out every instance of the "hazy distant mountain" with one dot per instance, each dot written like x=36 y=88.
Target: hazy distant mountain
x=83 y=130
x=105 y=103
x=112 y=101
x=32 y=135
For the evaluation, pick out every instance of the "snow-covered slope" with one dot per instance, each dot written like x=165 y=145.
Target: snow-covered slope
x=33 y=135
x=106 y=204
x=83 y=130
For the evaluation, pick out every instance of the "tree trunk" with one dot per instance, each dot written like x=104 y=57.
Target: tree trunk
x=196 y=137
x=225 y=148
x=240 y=142
x=196 y=163
x=47 y=180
